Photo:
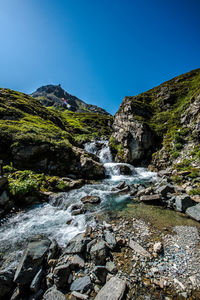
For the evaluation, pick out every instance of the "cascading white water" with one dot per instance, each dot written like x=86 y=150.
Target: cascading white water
x=50 y=219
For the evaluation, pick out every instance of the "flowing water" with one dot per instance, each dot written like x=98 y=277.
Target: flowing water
x=50 y=219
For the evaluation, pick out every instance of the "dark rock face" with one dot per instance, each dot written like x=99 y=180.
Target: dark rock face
x=135 y=137
x=32 y=259
x=52 y=95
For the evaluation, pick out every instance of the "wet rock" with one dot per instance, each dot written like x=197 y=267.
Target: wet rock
x=121 y=185
x=194 y=212
x=125 y=190
x=125 y=170
x=76 y=245
x=78 y=296
x=35 y=284
x=82 y=284
x=156 y=198
x=110 y=239
x=91 y=199
x=6 y=282
x=114 y=289
x=53 y=294
x=101 y=273
x=32 y=259
x=110 y=266
x=138 y=248
x=183 y=202
x=98 y=253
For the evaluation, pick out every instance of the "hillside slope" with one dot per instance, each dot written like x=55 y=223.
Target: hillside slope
x=46 y=140
x=161 y=126
x=54 y=95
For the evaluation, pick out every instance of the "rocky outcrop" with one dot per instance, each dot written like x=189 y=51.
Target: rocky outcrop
x=54 y=95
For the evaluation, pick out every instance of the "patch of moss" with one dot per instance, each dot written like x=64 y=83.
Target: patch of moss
x=116 y=147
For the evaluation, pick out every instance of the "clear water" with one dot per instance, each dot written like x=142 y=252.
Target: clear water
x=50 y=219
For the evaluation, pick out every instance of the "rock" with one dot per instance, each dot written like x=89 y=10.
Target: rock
x=183 y=202
x=110 y=266
x=125 y=190
x=32 y=259
x=146 y=191
x=91 y=199
x=110 y=239
x=121 y=185
x=114 y=289
x=82 y=284
x=165 y=189
x=125 y=170
x=53 y=294
x=4 y=198
x=54 y=250
x=98 y=253
x=6 y=282
x=3 y=183
x=61 y=275
x=101 y=273
x=194 y=212
x=139 y=249
x=76 y=245
x=16 y=294
x=35 y=284
x=76 y=296
x=151 y=198
x=157 y=247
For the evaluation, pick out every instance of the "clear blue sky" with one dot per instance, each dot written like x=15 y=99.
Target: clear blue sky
x=98 y=50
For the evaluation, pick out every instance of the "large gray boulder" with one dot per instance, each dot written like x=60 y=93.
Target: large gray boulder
x=194 y=212
x=32 y=259
x=98 y=253
x=183 y=202
x=114 y=289
x=77 y=244
x=82 y=284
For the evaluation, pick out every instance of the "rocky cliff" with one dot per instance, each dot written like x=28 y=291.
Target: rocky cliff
x=161 y=126
x=54 y=95
x=48 y=141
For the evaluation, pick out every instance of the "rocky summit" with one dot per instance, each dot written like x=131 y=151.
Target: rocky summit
x=100 y=207
x=54 y=95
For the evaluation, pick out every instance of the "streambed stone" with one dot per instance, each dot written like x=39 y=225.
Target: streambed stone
x=114 y=289
x=91 y=199
x=82 y=284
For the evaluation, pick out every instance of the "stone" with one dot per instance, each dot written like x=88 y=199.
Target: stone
x=6 y=282
x=53 y=294
x=98 y=253
x=139 y=249
x=3 y=183
x=32 y=259
x=183 y=202
x=157 y=247
x=194 y=212
x=125 y=170
x=61 y=275
x=76 y=245
x=101 y=273
x=110 y=239
x=91 y=199
x=82 y=284
x=4 y=198
x=114 y=289
x=151 y=198
x=110 y=266
x=35 y=284
x=165 y=189
x=78 y=296
x=121 y=185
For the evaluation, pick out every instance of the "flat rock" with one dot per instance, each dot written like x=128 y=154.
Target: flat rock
x=53 y=294
x=114 y=289
x=194 y=212
x=91 y=199
x=78 y=296
x=77 y=244
x=139 y=249
x=32 y=259
x=82 y=284
x=151 y=198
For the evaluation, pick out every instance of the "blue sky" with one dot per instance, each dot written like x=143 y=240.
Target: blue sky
x=98 y=50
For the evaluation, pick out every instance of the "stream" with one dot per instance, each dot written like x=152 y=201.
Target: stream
x=50 y=218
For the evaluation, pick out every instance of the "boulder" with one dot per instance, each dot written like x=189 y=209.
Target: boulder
x=91 y=199
x=101 y=273
x=53 y=294
x=139 y=249
x=125 y=170
x=76 y=245
x=6 y=282
x=78 y=296
x=165 y=189
x=61 y=275
x=82 y=284
x=183 y=202
x=156 y=198
x=32 y=259
x=98 y=253
x=194 y=212
x=121 y=185
x=114 y=289
x=110 y=239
